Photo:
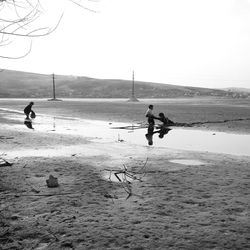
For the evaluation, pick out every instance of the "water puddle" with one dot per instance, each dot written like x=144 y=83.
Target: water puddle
x=105 y=132
x=187 y=162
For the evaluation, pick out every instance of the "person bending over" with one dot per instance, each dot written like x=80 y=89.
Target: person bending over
x=28 y=109
x=165 y=121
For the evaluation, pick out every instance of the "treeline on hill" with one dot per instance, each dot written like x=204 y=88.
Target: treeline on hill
x=16 y=84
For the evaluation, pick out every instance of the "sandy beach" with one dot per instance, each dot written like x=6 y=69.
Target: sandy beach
x=181 y=199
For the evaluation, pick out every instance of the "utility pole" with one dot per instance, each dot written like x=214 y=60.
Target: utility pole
x=54 y=87
x=133 y=98
x=133 y=84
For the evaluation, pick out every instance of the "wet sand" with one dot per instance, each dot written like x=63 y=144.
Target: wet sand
x=185 y=199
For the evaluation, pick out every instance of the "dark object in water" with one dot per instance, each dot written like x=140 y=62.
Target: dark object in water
x=162 y=130
x=28 y=123
x=33 y=114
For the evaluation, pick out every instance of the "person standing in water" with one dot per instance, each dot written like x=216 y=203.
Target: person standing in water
x=151 y=122
x=28 y=109
x=149 y=114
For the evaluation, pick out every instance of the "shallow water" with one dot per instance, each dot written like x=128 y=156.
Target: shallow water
x=187 y=162
x=175 y=138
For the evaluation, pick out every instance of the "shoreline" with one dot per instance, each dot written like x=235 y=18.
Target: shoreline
x=232 y=115
x=206 y=125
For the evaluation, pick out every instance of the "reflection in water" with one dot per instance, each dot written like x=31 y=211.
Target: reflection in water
x=54 y=124
x=103 y=132
x=188 y=162
x=162 y=130
x=150 y=134
x=28 y=123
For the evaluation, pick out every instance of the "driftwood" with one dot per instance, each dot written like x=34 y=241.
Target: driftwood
x=122 y=176
x=4 y=163
x=45 y=195
x=2 y=137
x=142 y=125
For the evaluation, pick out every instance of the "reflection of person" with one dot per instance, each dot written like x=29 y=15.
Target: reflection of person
x=28 y=109
x=163 y=130
x=150 y=134
x=28 y=123
x=149 y=114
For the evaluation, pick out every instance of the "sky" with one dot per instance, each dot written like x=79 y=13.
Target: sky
x=204 y=43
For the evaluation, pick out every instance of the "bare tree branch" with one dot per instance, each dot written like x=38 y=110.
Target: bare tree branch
x=80 y=5
x=18 y=19
x=18 y=57
x=29 y=34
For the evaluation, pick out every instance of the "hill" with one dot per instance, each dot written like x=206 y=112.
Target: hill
x=239 y=90
x=17 y=84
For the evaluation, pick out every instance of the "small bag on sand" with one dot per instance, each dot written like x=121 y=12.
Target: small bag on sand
x=52 y=182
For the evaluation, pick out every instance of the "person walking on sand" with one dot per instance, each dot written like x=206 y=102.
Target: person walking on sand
x=149 y=114
x=28 y=109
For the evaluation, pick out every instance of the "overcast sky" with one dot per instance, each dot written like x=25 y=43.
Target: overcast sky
x=186 y=42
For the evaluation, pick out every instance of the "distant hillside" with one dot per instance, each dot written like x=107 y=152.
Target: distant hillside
x=16 y=84
x=240 y=90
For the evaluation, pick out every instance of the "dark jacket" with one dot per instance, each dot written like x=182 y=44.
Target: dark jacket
x=27 y=109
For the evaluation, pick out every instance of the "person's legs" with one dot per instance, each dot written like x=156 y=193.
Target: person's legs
x=151 y=121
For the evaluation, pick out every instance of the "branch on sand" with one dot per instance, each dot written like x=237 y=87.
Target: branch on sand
x=4 y=163
x=123 y=176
